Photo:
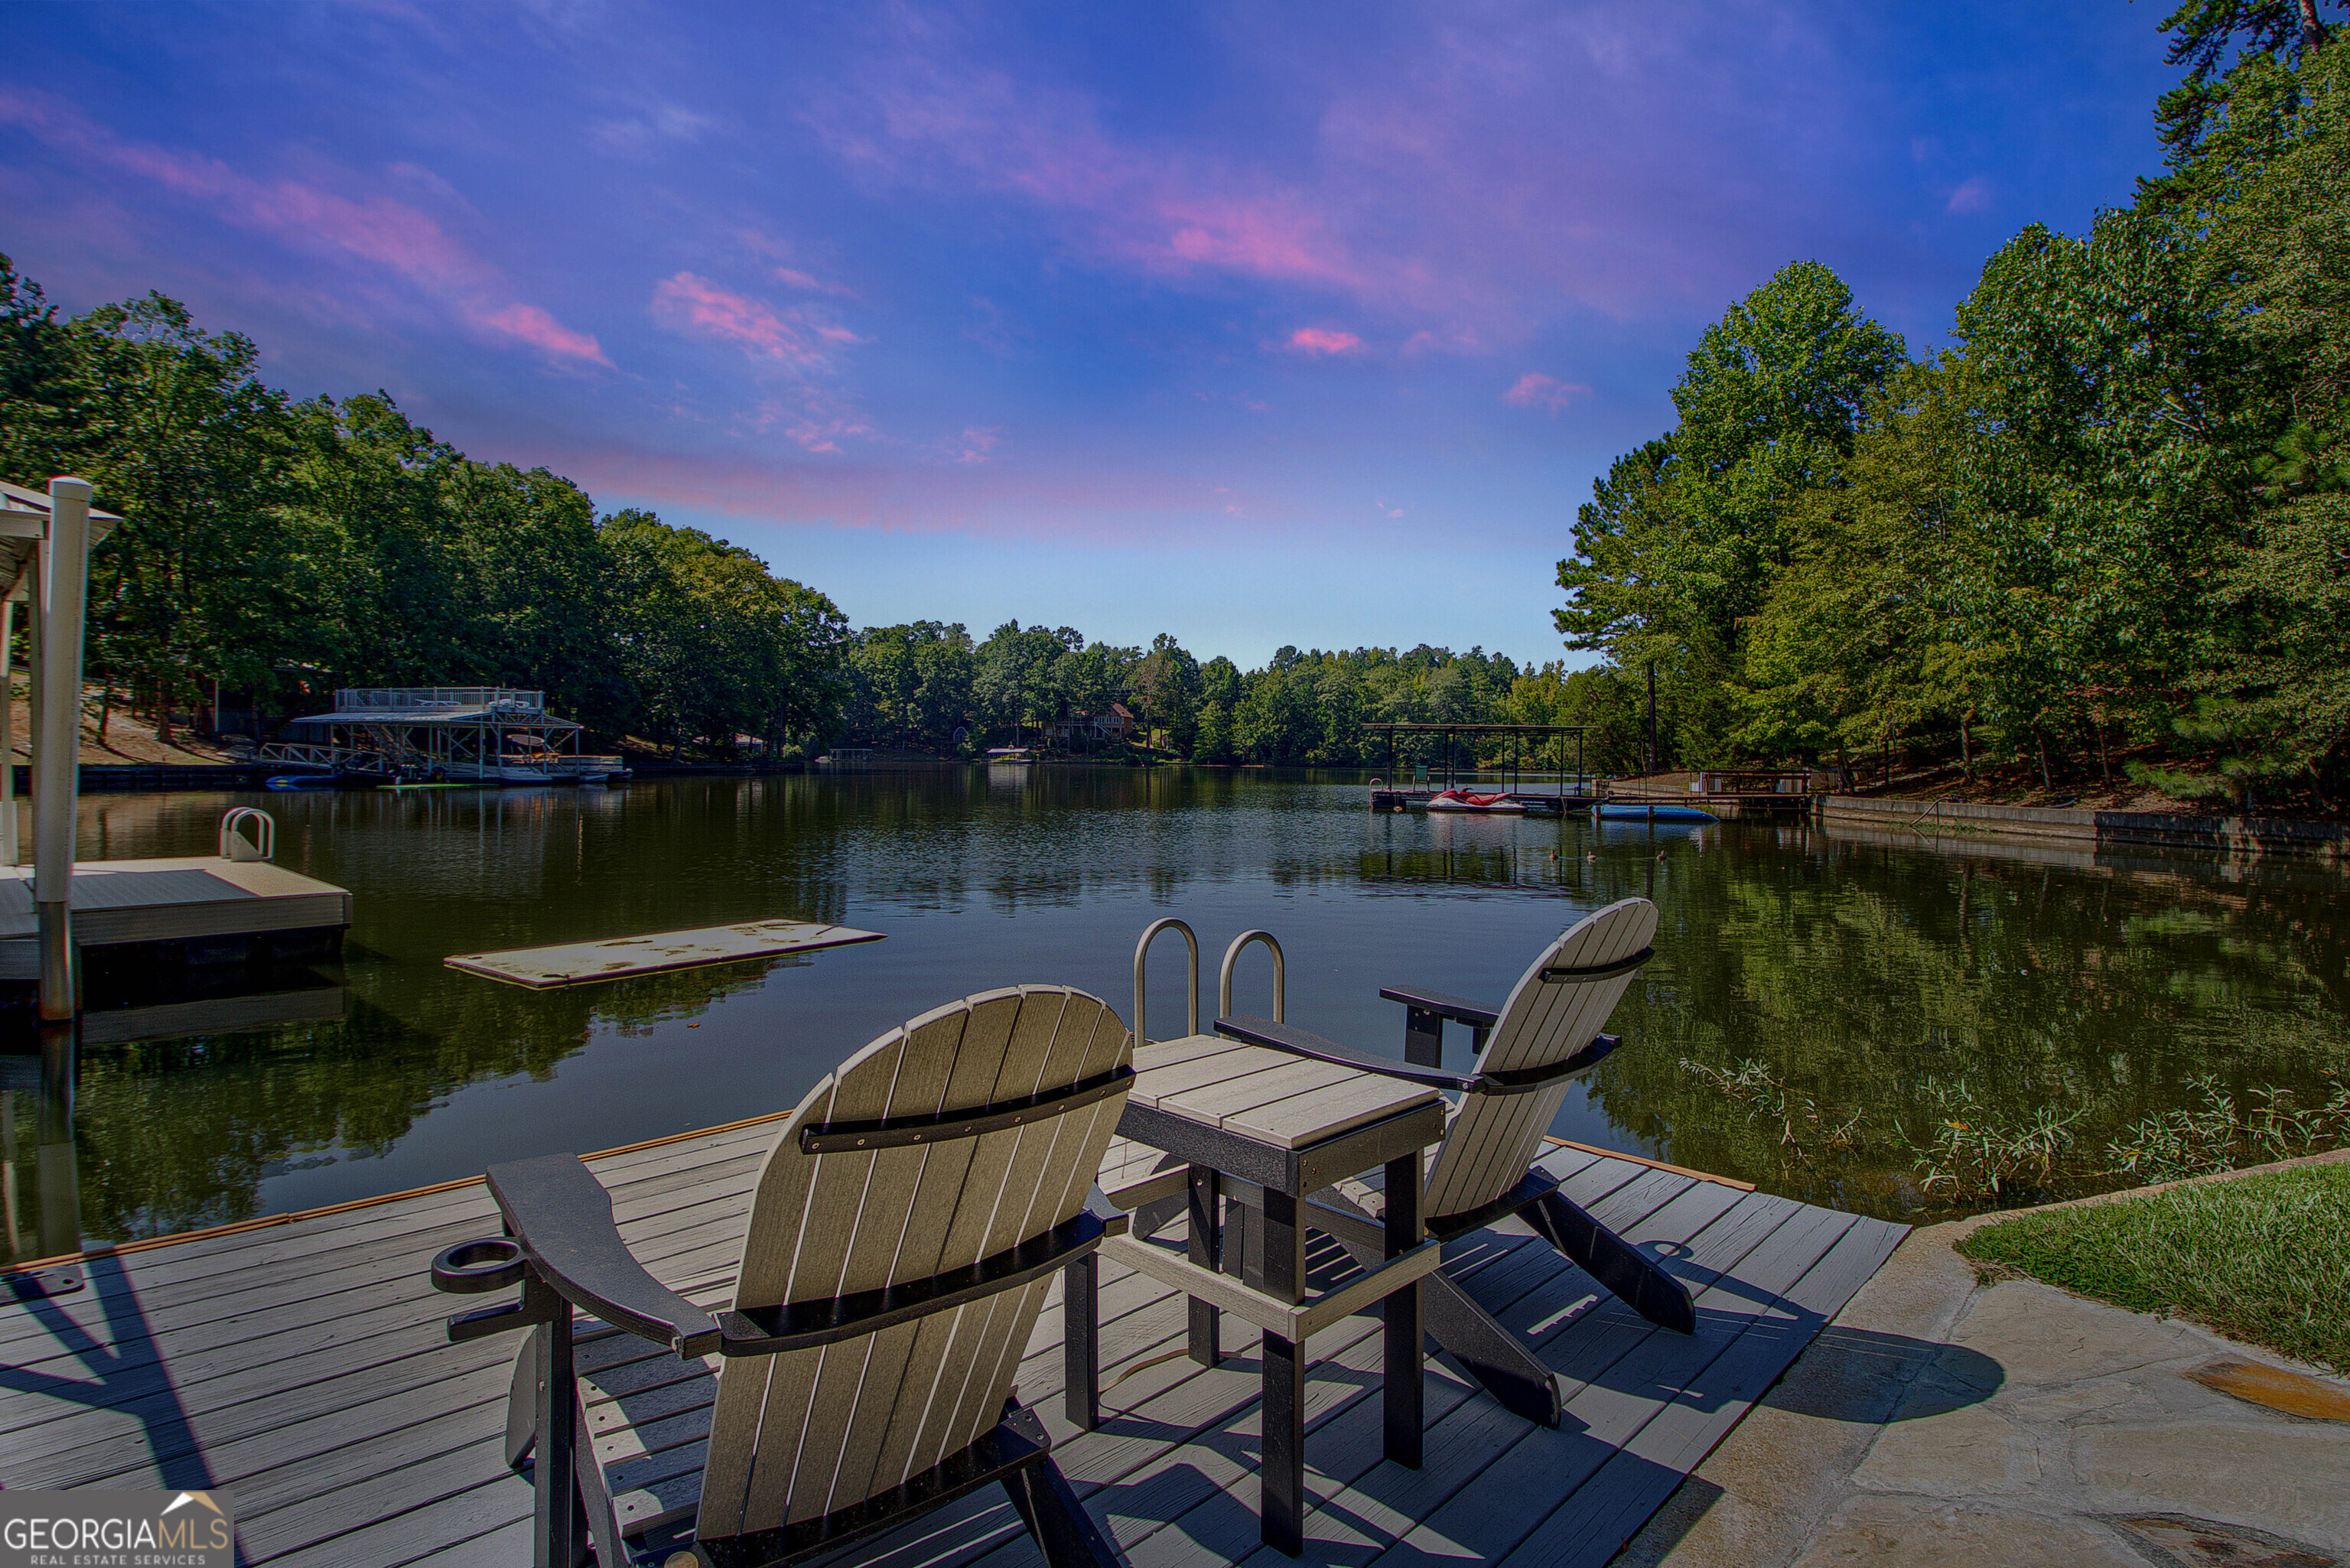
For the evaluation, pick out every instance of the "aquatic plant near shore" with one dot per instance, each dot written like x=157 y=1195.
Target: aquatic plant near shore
x=2223 y=1133
x=1804 y=1128
x=1971 y=1154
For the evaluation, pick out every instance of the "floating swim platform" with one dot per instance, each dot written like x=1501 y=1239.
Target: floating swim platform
x=583 y=963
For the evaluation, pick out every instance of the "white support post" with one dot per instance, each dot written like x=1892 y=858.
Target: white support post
x=56 y=751
x=33 y=647
x=8 y=728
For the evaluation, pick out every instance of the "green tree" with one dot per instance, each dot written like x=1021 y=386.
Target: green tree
x=2218 y=40
x=1168 y=685
x=180 y=436
x=1682 y=540
x=911 y=682
x=1013 y=682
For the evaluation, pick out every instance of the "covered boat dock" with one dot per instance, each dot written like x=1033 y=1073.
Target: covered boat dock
x=1389 y=793
x=464 y=734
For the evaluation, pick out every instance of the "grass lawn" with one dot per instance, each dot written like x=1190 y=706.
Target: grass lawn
x=2262 y=1259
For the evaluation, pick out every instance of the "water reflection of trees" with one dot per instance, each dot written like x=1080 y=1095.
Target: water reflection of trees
x=176 y=1134
x=1889 y=986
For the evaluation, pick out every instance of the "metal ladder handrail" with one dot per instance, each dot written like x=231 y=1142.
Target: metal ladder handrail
x=1142 y=951
x=261 y=846
x=1232 y=958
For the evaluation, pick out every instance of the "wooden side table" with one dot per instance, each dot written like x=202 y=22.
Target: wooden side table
x=1243 y=1113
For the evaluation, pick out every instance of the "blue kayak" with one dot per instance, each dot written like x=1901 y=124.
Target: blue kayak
x=1617 y=810
x=300 y=780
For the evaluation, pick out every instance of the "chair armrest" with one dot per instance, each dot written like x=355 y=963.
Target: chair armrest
x=1525 y=1080
x=1458 y=1009
x=561 y=1215
x=1253 y=1031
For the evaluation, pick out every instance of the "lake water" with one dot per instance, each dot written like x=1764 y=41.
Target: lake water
x=1891 y=985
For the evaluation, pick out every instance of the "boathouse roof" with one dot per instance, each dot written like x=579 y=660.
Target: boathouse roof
x=25 y=523
x=439 y=706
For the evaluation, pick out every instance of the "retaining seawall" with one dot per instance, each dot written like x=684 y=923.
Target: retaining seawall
x=2232 y=836
x=161 y=775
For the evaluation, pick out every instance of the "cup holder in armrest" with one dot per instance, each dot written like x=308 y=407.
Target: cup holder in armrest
x=470 y=1268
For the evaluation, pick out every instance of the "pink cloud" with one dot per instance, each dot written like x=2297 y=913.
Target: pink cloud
x=824 y=435
x=1535 y=390
x=1461 y=340
x=799 y=279
x=787 y=269
x=1972 y=196
x=979 y=441
x=814 y=417
x=540 y=330
x=1478 y=176
x=1166 y=211
x=849 y=491
x=1324 y=340
x=375 y=229
x=791 y=336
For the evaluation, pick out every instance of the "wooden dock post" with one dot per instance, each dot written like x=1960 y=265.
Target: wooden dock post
x=64 y=586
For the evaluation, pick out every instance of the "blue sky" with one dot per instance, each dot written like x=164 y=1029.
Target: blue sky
x=1254 y=324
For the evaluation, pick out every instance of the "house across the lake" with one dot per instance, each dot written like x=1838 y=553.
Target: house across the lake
x=1085 y=731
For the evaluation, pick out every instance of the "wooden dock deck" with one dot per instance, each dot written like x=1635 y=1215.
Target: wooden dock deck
x=181 y=899
x=299 y=1364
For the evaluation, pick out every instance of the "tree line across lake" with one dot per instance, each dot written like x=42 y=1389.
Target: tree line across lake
x=281 y=549
x=2106 y=532
x=273 y=549
x=918 y=684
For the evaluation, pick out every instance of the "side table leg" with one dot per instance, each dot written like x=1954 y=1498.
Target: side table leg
x=1283 y=1477
x=1400 y=1384
x=1204 y=1248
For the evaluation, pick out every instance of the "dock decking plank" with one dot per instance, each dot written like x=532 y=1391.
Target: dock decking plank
x=1612 y=1405
x=641 y=1207
x=1385 y=1506
x=1545 y=1274
x=302 y=1366
x=1632 y=1484
x=271 y=1245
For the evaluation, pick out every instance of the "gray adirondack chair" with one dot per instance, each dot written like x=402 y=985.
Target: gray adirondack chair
x=1529 y=1049
x=907 y=1224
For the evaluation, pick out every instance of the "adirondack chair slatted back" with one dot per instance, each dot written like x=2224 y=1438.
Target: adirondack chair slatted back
x=1493 y=1138
x=800 y=1435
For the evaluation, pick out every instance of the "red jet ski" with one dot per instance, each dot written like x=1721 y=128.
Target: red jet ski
x=1462 y=800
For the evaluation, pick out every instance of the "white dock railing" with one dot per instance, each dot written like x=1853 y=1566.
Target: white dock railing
x=437 y=699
